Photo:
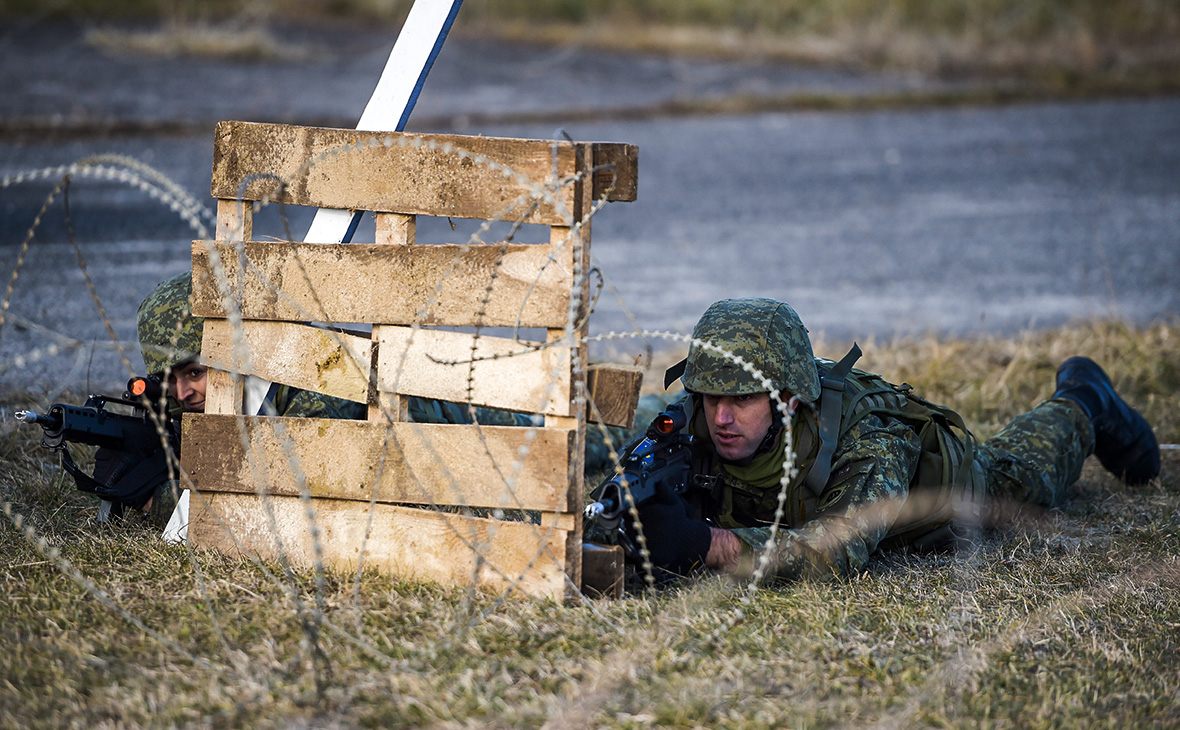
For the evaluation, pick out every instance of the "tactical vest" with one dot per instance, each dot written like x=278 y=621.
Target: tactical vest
x=946 y=485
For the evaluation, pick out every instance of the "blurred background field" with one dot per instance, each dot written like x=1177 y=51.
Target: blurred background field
x=1062 y=45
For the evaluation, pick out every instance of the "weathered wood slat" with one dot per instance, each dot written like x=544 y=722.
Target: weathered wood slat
x=391 y=229
x=432 y=285
x=337 y=364
x=614 y=390
x=500 y=372
x=616 y=172
x=235 y=221
x=223 y=394
x=396 y=172
x=409 y=543
x=416 y=463
x=299 y=355
x=602 y=570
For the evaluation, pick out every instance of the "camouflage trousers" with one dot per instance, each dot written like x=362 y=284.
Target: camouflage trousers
x=1037 y=456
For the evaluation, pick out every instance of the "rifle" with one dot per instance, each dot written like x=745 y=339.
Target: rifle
x=660 y=460
x=130 y=432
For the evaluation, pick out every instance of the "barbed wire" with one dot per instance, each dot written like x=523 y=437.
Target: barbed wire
x=312 y=610
x=546 y=192
x=234 y=318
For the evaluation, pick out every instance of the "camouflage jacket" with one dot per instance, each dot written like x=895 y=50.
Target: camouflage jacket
x=307 y=404
x=900 y=469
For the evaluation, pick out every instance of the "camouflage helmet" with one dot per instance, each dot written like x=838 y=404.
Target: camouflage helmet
x=169 y=334
x=765 y=333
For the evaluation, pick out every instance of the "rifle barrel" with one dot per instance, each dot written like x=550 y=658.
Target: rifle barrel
x=42 y=421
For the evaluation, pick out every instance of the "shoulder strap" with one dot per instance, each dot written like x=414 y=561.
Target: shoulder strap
x=831 y=402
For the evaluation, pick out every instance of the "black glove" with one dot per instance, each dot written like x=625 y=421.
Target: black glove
x=677 y=542
x=110 y=465
x=129 y=479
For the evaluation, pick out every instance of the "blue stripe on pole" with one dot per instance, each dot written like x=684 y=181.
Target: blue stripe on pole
x=438 y=43
x=405 y=117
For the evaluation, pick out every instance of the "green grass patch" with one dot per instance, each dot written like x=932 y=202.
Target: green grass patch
x=1069 y=619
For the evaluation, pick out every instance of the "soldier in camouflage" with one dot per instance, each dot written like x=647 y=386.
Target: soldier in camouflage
x=873 y=464
x=170 y=339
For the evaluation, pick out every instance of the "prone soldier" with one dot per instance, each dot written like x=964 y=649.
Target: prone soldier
x=868 y=464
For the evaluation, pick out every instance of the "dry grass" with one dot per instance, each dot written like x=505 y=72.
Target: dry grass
x=1053 y=40
x=1077 y=46
x=1067 y=621
x=253 y=43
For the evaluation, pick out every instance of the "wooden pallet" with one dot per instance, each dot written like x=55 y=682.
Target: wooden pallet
x=400 y=496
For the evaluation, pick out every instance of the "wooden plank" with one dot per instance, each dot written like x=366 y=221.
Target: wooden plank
x=602 y=570
x=488 y=178
x=298 y=355
x=614 y=391
x=566 y=243
x=223 y=393
x=616 y=173
x=505 y=374
x=235 y=220
x=576 y=240
x=450 y=549
x=392 y=229
x=572 y=249
x=432 y=285
x=410 y=463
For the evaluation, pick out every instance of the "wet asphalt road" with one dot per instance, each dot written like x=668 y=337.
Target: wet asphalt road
x=870 y=223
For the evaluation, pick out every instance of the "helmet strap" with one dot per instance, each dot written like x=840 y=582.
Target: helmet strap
x=674 y=372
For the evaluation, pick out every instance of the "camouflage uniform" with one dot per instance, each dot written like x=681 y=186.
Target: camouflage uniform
x=864 y=502
x=901 y=472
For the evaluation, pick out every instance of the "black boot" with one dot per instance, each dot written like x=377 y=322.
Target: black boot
x=1123 y=440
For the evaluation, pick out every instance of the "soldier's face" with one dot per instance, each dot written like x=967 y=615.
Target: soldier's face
x=186 y=383
x=737 y=423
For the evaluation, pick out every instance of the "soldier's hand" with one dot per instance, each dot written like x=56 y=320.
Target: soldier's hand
x=676 y=542
x=129 y=479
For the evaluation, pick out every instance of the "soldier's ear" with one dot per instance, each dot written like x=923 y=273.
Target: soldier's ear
x=793 y=405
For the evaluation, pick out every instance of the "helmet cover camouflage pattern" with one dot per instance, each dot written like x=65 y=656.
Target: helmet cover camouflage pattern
x=765 y=333
x=169 y=334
